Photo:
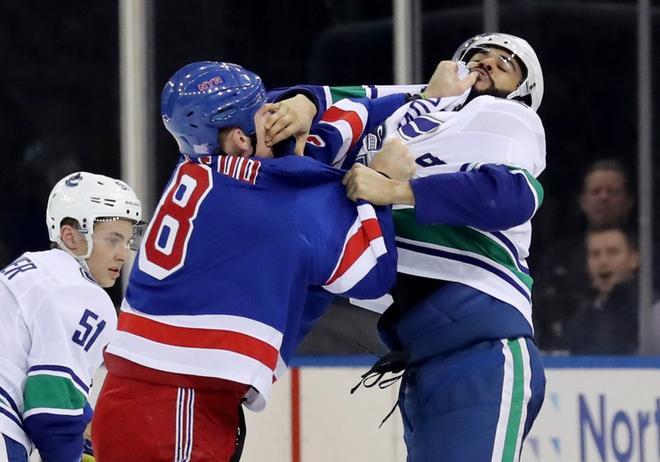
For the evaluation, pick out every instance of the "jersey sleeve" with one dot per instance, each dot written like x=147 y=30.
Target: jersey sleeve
x=509 y=123
x=69 y=331
x=344 y=124
x=488 y=197
x=365 y=264
x=324 y=96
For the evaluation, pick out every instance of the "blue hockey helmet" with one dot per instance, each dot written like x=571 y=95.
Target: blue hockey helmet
x=203 y=97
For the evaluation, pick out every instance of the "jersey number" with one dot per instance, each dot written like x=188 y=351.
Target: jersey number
x=429 y=160
x=91 y=328
x=166 y=243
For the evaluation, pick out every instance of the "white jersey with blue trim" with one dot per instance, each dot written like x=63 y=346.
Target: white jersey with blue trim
x=54 y=323
x=467 y=240
x=475 y=187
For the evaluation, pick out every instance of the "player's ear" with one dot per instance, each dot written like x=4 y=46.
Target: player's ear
x=241 y=140
x=234 y=141
x=70 y=236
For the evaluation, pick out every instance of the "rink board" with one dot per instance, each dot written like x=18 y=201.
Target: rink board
x=596 y=410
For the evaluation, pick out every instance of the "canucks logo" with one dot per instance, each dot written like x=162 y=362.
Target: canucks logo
x=74 y=180
x=418 y=126
x=374 y=141
x=361 y=158
x=371 y=142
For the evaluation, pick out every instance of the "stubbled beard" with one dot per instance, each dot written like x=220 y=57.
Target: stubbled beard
x=491 y=91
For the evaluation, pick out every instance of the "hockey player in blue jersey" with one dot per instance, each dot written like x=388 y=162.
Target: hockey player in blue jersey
x=461 y=324
x=240 y=257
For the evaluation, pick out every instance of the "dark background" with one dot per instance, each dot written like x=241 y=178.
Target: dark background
x=59 y=82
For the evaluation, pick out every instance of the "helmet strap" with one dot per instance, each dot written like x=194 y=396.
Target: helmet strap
x=520 y=92
x=514 y=94
x=81 y=259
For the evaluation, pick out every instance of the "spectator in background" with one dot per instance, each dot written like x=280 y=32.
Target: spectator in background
x=605 y=201
x=605 y=319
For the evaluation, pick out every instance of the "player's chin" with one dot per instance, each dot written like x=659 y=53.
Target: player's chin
x=483 y=85
x=110 y=279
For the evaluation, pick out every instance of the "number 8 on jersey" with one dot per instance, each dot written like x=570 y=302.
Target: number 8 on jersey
x=166 y=240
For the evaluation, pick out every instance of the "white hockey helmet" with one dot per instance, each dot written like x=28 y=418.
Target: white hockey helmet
x=531 y=85
x=88 y=197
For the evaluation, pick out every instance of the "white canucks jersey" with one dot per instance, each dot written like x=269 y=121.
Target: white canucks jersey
x=464 y=240
x=511 y=131
x=54 y=323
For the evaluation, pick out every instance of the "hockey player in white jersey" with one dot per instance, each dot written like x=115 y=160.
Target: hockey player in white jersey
x=56 y=318
x=461 y=324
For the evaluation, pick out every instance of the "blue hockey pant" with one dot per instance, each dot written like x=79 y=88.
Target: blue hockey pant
x=476 y=404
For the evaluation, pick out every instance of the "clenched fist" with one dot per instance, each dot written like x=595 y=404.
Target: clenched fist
x=374 y=186
x=394 y=160
x=446 y=81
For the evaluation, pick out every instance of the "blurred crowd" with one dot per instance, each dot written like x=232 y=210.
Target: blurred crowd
x=586 y=285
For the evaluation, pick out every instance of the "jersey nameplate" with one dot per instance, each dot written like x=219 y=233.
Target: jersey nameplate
x=18 y=266
x=239 y=168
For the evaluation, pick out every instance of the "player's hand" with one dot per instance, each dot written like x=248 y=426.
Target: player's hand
x=364 y=183
x=394 y=160
x=289 y=117
x=445 y=81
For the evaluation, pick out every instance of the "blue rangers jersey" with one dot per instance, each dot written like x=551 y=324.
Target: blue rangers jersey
x=475 y=188
x=339 y=127
x=237 y=250
x=54 y=323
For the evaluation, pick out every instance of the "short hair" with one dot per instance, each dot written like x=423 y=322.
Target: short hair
x=66 y=221
x=629 y=233
x=223 y=133
x=611 y=165
x=71 y=222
